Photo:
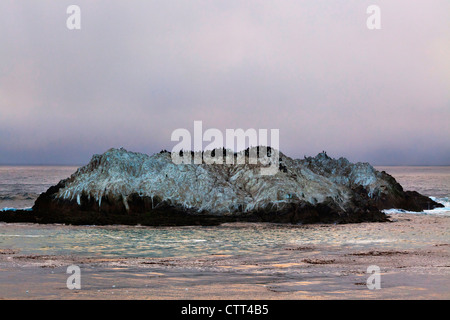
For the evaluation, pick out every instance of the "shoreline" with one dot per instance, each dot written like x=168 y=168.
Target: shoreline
x=320 y=271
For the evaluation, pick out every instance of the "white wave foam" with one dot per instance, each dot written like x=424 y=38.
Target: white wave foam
x=445 y=211
x=444 y=201
x=15 y=209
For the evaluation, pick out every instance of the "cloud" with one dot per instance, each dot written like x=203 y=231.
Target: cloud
x=137 y=70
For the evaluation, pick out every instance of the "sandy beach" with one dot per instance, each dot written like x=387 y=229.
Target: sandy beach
x=294 y=272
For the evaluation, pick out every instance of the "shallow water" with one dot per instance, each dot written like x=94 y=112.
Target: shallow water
x=228 y=239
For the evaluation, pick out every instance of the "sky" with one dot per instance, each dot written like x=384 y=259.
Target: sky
x=137 y=70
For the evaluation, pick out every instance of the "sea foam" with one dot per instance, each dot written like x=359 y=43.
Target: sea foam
x=445 y=211
x=15 y=209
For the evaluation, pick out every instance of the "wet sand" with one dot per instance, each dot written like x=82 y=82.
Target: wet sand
x=292 y=272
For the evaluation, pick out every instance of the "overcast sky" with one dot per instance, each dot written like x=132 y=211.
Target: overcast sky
x=137 y=70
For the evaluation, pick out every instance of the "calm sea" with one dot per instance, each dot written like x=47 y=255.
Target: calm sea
x=19 y=187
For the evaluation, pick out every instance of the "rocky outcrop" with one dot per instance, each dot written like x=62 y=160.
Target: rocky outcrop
x=381 y=187
x=131 y=188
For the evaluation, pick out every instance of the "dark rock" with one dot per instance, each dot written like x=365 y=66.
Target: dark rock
x=121 y=187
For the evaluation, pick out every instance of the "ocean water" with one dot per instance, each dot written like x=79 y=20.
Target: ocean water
x=430 y=181
x=19 y=186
